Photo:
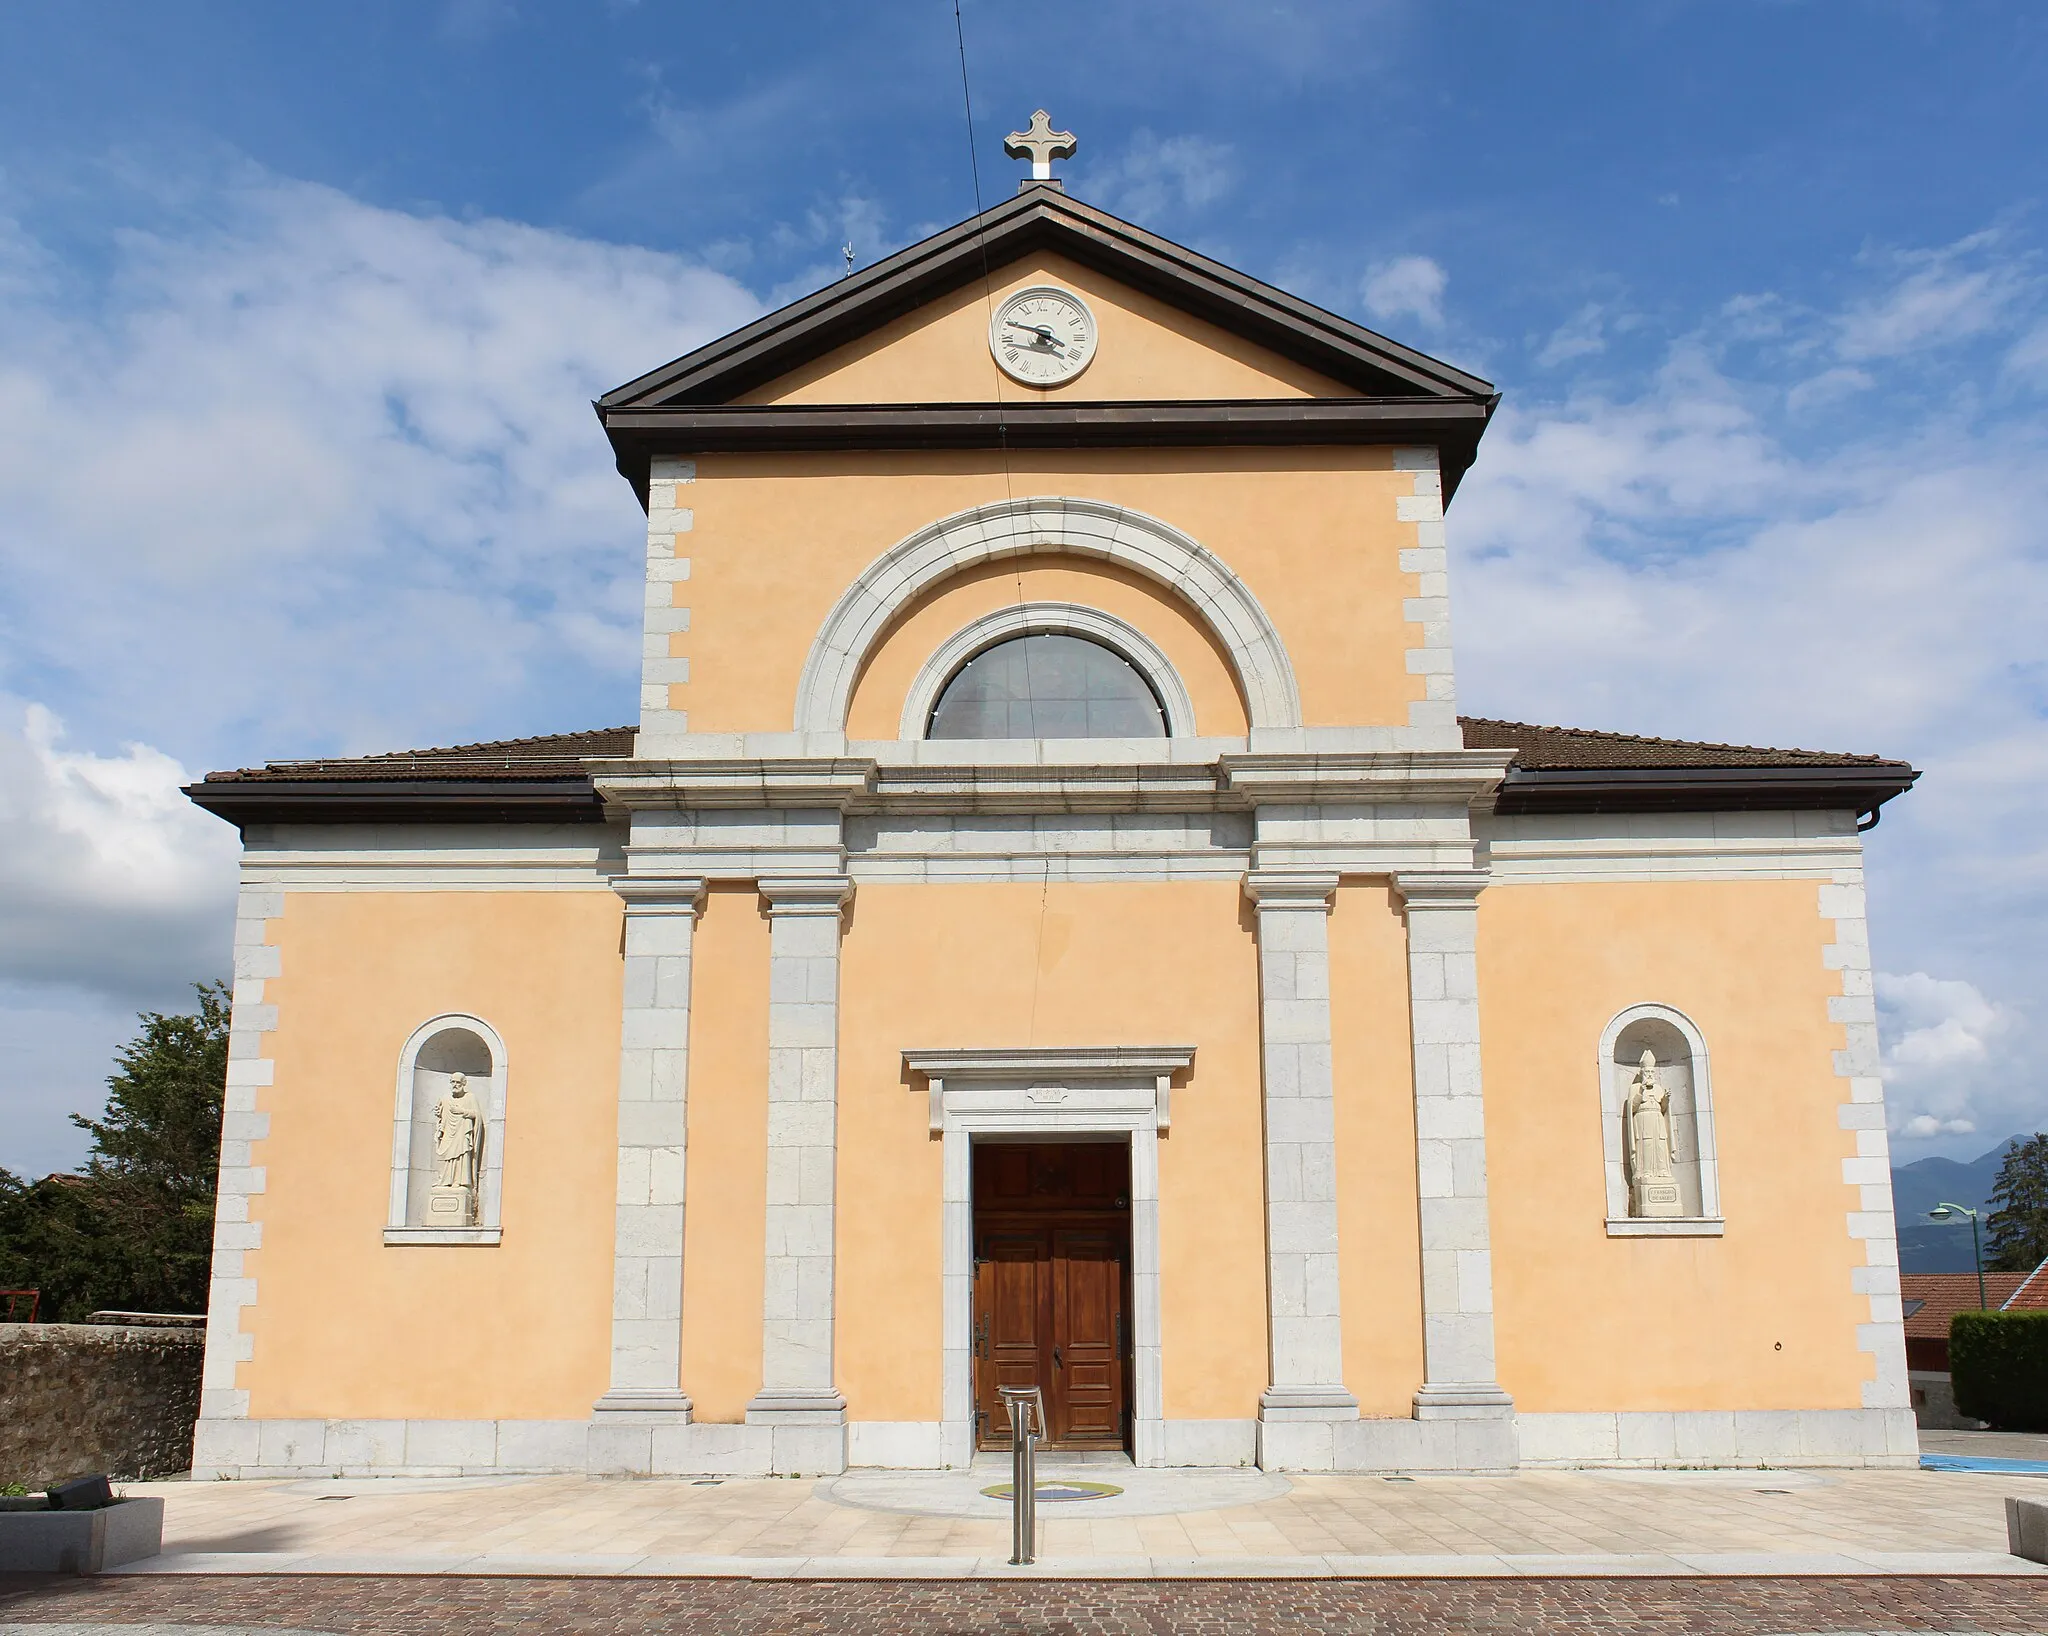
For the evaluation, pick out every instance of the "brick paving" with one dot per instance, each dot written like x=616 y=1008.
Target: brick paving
x=702 y=1607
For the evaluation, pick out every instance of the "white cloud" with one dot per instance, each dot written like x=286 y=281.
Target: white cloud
x=1159 y=176
x=1923 y=1125
x=1406 y=287
x=1942 y=296
x=1941 y=1039
x=1579 y=336
x=313 y=474
x=1683 y=560
x=109 y=878
x=291 y=474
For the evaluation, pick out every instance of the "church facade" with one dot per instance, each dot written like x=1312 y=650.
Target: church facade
x=1051 y=926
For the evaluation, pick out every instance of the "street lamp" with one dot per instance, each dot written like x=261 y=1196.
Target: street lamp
x=1943 y=1212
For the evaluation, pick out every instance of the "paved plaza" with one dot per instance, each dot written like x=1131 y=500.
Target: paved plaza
x=1162 y=1524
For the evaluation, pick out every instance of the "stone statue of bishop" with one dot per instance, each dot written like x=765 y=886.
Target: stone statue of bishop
x=1653 y=1183
x=458 y=1150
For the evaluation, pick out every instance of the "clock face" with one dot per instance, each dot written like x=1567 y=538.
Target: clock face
x=1042 y=336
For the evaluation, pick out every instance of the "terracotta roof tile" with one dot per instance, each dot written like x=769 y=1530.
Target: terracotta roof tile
x=555 y=755
x=561 y=755
x=1943 y=1294
x=2032 y=1295
x=1571 y=748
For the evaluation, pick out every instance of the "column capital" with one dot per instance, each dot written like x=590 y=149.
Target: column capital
x=1291 y=888
x=810 y=895
x=1441 y=890
x=660 y=894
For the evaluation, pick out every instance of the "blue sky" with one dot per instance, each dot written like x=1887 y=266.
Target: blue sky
x=301 y=309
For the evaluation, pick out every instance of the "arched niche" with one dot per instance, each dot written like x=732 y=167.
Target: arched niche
x=1679 y=1052
x=435 y=1052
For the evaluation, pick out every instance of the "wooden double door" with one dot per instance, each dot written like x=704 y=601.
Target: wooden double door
x=1051 y=1289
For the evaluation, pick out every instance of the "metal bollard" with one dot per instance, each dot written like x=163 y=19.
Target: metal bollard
x=1027 y=1424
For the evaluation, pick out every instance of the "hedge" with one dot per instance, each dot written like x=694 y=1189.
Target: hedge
x=1999 y=1362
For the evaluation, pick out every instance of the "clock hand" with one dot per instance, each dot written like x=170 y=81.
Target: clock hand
x=1041 y=331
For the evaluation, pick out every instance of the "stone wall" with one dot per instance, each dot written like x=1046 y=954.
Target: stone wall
x=96 y=1397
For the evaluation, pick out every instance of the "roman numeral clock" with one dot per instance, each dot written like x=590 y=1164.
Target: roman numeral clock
x=1042 y=336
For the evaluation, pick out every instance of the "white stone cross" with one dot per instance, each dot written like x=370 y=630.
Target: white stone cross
x=1041 y=144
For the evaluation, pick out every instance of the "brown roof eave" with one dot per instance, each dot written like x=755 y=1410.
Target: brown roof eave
x=1703 y=789
x=1451 y=425
x=400 y=801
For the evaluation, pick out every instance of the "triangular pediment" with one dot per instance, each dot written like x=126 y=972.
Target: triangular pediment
x=1305 y=349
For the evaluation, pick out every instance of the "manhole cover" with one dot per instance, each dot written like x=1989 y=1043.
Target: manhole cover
x=1056 y=1491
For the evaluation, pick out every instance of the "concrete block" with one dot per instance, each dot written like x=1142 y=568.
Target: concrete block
x=224 y=1446
x=2026 y=1528
x=542 y=1445
x=1209 y=1442
x=900 y=1445
x=292 y=1445
x=35 y=1540
x=365 y=1445
x=462 y=1443
x=616 y=1450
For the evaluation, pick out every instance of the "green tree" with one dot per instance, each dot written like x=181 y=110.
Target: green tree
x=135 y=1231
x=2016 y=1236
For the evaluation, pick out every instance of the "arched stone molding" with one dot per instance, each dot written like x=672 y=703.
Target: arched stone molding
x=1047 y=524
x=1126 y=641
x=407 y=1128
x=1692 y=1121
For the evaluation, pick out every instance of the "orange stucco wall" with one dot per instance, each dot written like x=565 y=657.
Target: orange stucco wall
x=726 y=1187
x=1189 y=645
x=346 y=1326
x=1141 y=964
x=1312 y=533
x=1145 y=349
x=1761 y=1319
x=1378 y=1233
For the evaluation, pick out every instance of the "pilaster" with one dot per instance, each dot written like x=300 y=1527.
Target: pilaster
x=647 y=1225
x=1450 y=1161
x=1305 y=1395
x=798 y=1397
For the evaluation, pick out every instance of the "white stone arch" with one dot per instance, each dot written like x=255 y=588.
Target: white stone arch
x=1682 y=1054
x=412 y=1132
x=1052 y=525
x=1125 y=640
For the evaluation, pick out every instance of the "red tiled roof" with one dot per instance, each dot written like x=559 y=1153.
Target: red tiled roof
x=1561 y=748
x=562 y=755
x=555 y=755
x=2032 y=1295
x=1943 y=1294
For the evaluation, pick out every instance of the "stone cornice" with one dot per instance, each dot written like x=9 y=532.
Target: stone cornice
x=1053 y=1062
x=1368 y=775
x=1231 y=782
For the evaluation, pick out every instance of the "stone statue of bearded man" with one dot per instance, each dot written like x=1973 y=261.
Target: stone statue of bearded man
x=459 y=1135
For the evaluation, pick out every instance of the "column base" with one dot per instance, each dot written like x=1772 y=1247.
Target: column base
x=643 y=1405
x=1463 y=1400
x=806 y=1428
x=620 y=1436
x=1300 y=1426
x=1307 y=1403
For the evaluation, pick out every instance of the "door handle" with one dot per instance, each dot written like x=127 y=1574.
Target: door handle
x=1056 y=1359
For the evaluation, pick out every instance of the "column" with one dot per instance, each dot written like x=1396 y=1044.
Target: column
x=1450 y=1165
x=798 y=1398
x=1306 y=1396
x=647 y=1224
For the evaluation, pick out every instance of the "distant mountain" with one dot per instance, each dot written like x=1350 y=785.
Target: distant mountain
x=1941 y=1246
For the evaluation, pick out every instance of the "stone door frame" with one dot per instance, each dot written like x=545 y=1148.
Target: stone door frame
x=1050 y=1094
